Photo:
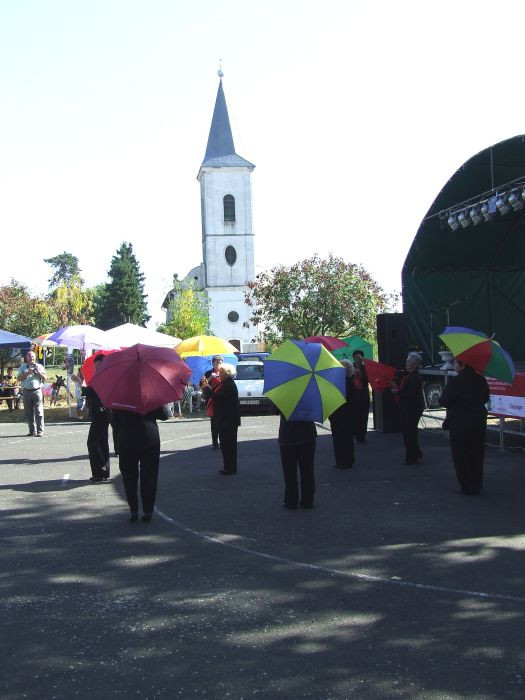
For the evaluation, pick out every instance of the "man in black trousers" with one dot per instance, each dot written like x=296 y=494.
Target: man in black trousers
x=465 y=397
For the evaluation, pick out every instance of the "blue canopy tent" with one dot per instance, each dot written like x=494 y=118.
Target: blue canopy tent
x=12 y=340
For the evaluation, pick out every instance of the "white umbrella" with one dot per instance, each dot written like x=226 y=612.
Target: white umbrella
x=83 y=338
x=129 y=334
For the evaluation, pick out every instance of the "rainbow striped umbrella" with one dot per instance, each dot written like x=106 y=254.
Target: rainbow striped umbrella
x=479 y=351
x=304 y=381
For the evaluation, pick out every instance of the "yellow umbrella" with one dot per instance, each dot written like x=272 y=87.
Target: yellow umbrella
x=204 y=345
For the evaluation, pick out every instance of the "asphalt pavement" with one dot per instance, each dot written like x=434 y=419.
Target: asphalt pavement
x=393 y=586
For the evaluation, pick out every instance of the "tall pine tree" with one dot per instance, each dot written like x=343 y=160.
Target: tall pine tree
x=122 y=300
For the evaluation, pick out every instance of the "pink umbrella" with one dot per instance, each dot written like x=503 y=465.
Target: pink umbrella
x=141 y=378
x=329 y=341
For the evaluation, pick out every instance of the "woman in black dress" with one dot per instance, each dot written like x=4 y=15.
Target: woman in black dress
x=409 y=396
x=341 y=423
x=297 y=448
x=97 y=442
x=227 y=415
x=465 y=397
x=139 y=457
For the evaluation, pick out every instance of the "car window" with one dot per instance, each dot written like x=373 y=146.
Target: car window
x=250 y=372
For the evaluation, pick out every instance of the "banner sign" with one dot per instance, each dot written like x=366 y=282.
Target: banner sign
x=507 y=399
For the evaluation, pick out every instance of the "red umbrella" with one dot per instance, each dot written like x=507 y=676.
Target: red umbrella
x=88 y=368
x=329 y=342
x=141 y=378
x=379 y=375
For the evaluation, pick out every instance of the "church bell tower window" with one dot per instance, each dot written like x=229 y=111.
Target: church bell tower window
x=229 y=208
x=231 y=255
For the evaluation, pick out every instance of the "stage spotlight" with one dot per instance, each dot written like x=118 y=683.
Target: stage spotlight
x=463 y=219
x=475 y=215
x=452 y=221
x=488 y=209
x=515 y=201
x=502 y=205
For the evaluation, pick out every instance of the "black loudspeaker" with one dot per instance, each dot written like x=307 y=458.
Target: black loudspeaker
x=392 y=339
x=392 y=348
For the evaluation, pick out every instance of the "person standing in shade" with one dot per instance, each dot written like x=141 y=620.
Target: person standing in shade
x=212 y=379
x=409 y=396
x=139 y=458
x=465 y=397
x=97 y=442
x=341 y=423
x=297 y=448
x=32 y=377
x=225 y=399
x=360 y=398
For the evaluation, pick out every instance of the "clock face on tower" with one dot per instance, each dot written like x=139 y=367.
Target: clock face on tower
x=233 y=316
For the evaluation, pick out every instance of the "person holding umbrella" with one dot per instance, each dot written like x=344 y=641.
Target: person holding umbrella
x=225 y=398
x=297 y=447
x=138 y=384
x=409 y=395
x=212 y=379
x=464 y=397
x=97 y=442
x=361 y=397
x=341 y=423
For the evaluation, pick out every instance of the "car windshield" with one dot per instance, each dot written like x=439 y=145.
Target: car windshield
x=250 y=372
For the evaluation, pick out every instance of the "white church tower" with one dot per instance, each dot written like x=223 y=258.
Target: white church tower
x=227 y=235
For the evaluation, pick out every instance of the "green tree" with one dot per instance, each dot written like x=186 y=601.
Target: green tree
x=72 y=303
x=189 y=312
x=65 y=268
x=315 y=297
x=122 y=300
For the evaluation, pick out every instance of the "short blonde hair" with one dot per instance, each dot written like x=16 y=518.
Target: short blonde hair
x=228 y=369
x=414 y=357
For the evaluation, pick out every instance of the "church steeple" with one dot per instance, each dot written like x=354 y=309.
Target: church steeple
x=220 y=140
x=220 y=150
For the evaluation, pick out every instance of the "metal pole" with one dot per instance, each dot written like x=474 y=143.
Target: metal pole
x=502 y=434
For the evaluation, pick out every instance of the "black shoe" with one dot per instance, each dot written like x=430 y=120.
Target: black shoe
x=96 y=479
x=307 y=505
x=464 y=492
x=215 y=447
x=226 y=471
x=30 y=434
x=343 y=466
x=290 y=507
x=133 y=517
x=146 y=517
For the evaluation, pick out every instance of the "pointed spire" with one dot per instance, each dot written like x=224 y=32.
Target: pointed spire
x=220 y=150
x=220 y=140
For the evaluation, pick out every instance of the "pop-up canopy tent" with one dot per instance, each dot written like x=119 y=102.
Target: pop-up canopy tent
x=474 y=275
x=12 y=340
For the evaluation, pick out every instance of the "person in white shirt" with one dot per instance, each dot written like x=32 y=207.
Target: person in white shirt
x=32 y=377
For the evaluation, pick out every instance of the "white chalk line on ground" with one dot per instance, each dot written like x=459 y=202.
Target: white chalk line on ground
x=337 y=572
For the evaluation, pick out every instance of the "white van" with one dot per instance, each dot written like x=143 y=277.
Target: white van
x=250 y=385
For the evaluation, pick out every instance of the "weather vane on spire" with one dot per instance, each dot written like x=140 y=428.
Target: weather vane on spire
x=219 y=72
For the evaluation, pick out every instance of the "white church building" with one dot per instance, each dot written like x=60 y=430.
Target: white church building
x=227 y=232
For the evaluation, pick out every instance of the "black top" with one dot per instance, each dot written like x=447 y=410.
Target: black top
x=136 y=431
x=296 y=432
x=95 y=407
x=465 y=397
x=345 y=409
x=225 y=403
x=410 y=393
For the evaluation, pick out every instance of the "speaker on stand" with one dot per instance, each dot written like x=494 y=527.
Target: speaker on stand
x=392 y=347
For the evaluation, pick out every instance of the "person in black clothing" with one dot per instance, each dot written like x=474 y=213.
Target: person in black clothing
x=139 y=457
x=361 y=397
x=225 y=398
x=409 y=396
x=465 y=397
x=297 y=447
x=211 y=378
x=341 y=423
x=97 y=442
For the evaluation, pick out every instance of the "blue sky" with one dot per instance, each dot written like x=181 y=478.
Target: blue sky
x=354 y=113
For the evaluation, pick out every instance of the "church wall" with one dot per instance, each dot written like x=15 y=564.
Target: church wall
x=222 y=302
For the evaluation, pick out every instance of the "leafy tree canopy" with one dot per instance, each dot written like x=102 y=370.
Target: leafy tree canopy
x=122 y=300
x=65 y=269
x=188 y=312
x=22 y=313
x=315 y=297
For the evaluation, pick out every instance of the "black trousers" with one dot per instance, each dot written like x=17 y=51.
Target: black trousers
x=360 y=418
x=214 y=431
x=98 y=447
x=302 y=457
x=343 y=439
x=228 y=441
x=468 y=454
x=409 y=426
x=140 y=463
